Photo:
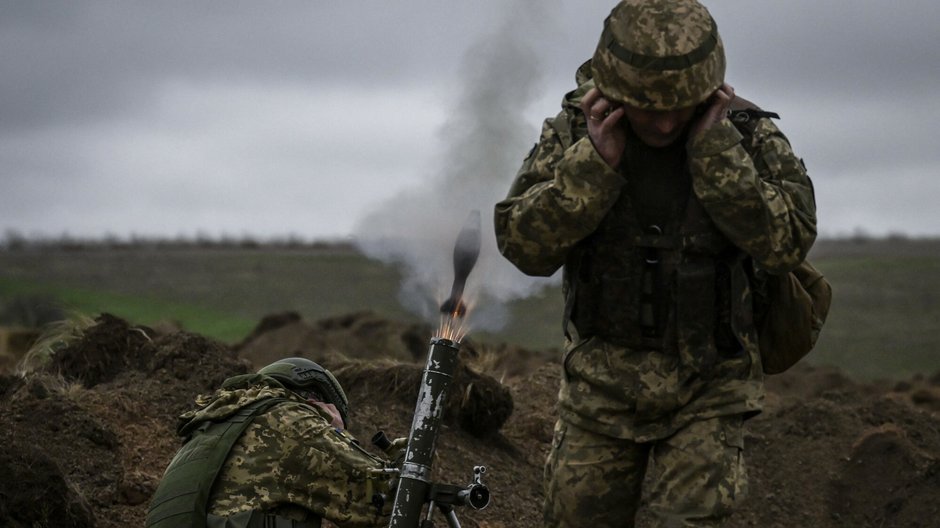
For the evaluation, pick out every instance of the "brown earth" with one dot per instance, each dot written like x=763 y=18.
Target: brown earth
x=87 y=438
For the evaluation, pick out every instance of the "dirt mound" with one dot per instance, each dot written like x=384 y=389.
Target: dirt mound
x=108 y=348
x=366 y=336
x=476 y=403
x=360 y=335
x=87 y=441
x=380 y=360
x=102 y=413
x=816 y=456
x=31 y=477
x=920 y=392
x=76 y=454
x=908 y=481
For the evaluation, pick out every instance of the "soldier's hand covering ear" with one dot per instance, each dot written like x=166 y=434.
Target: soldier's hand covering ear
x=604 y=128
x=715 y=109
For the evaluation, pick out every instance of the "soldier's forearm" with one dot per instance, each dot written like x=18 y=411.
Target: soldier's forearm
x=537 y=228
x=765 y=205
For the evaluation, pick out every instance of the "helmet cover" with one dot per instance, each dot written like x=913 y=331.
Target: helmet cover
x=659 y=54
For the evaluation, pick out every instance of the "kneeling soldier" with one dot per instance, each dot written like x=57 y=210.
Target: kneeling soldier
x=270 y=449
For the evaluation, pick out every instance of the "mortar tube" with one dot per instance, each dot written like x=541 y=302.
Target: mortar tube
x=414 y=483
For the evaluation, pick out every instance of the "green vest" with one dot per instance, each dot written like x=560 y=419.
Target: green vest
x=182 y=498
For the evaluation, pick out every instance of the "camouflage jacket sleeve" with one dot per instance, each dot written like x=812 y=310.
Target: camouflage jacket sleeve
x=760 y=197
x=559 y=196
x=291 y=455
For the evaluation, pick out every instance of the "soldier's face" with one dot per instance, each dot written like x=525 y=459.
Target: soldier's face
x=337 y=418
x=658 y=128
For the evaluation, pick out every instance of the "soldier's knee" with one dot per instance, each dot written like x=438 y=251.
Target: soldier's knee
x=592 y=480
x=701 y=478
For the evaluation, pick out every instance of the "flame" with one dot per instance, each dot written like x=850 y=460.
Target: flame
x=454 y=324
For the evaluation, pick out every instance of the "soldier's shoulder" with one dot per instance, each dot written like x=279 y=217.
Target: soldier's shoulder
x=752 y=120
x=294 y=417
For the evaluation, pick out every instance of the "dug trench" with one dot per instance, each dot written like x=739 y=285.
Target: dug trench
x=88 y=435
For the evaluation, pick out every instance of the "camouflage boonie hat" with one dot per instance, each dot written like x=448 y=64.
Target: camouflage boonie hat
x=659 y=54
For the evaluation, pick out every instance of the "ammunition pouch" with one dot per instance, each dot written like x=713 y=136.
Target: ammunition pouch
x=650 y=290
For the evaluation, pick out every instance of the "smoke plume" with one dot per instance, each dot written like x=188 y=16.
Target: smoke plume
x=485 y=138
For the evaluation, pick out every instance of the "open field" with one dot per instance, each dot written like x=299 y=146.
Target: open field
x=882 y=324
x=88 y=432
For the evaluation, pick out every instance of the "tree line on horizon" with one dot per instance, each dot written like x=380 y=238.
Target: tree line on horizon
x=16 y=241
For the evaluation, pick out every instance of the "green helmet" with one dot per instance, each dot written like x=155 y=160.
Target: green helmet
x=659 y=54
x=301 y=374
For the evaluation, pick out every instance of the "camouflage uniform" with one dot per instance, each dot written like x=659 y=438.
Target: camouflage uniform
x=665 y=372
x=290 y=460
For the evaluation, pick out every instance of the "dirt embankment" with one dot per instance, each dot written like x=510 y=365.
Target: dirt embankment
x=88 y=438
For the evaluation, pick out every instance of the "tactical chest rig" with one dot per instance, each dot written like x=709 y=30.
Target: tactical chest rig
x=679 y=285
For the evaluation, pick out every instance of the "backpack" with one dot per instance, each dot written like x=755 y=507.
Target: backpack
x=795 y=306
x=790 y=308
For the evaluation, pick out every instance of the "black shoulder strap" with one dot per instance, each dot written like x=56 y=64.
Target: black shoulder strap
x=181 y=499
x=744 y=114
x=747 y=115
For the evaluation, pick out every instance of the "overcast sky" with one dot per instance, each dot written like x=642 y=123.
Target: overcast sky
x=269 y=118
x=387 y=122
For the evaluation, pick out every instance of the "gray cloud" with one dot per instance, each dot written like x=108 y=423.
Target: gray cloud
x=85 y=60
x=856 y=46
x=305 y=116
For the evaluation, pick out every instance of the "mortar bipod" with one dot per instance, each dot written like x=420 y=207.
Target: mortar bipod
x=445 y=496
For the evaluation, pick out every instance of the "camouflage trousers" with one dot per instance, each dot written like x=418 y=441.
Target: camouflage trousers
x=696 y=476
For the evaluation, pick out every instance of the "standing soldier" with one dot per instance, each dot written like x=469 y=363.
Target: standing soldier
x=664 y=213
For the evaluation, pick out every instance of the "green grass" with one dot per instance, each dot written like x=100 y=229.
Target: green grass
x=220 y=293
x=136 y=309
x=882 y=322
